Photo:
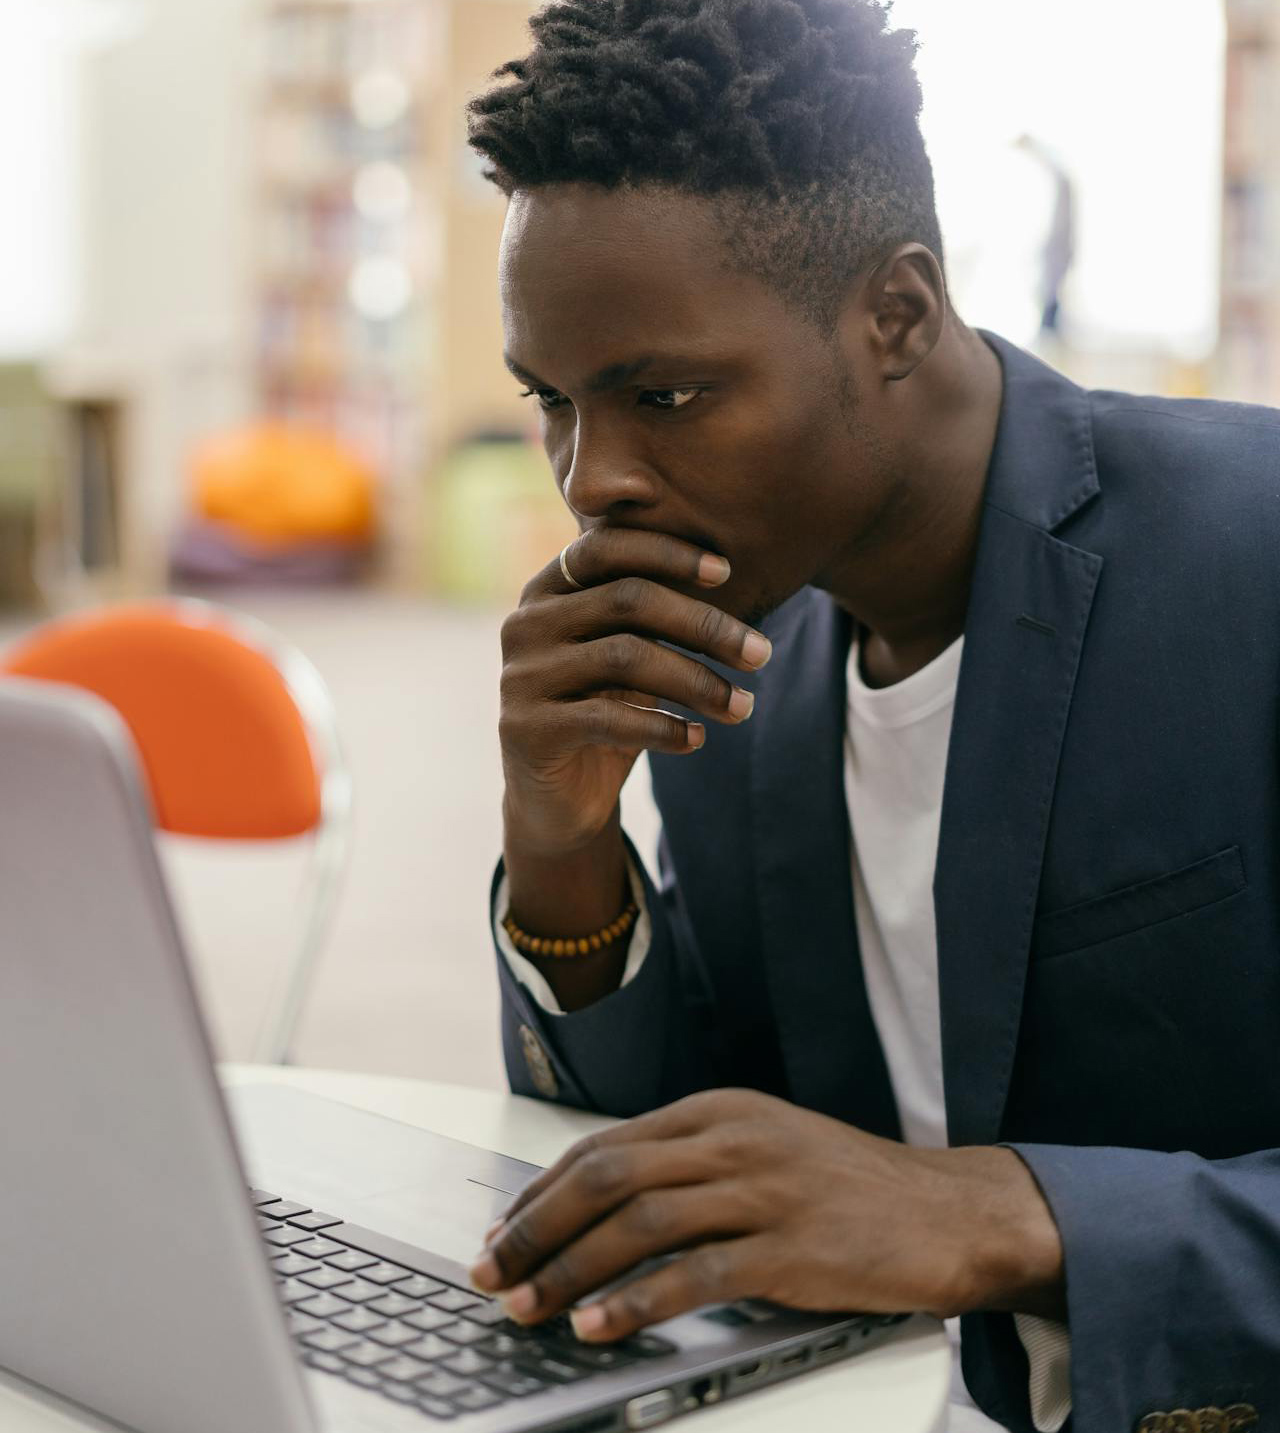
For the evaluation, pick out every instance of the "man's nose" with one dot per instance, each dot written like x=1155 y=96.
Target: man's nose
x=602 y=477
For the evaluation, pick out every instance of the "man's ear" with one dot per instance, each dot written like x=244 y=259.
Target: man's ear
x=901 y=311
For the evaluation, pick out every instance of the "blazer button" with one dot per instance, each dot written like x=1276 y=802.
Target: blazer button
x=539 y=1066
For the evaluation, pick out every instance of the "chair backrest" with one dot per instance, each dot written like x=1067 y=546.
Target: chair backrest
x=226 y=749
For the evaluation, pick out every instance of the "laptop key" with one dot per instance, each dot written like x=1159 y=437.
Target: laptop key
x=647 y=1345
x=594 y=1356
x=553 y=1370
x=467 y=1361
x=362 y=1377
x=403 y=1368
x=326 y=1361
x=283 y=1237
x=489 y=1313
x=418 y=1286
x=359 y=1292
x=382 y=1272
x=313 y=1219
x=282 y=1209
x=514 y=1381
x=293 y=1291
x=452 y=1300
x=430 y=1346
x=440 y=1384
x=476 y=1398
x=323 y=1306
x=394 y=1335
x=430 y=1320
x=358 y=1321
x=260 y=1196
x=502 y=1346
x=292 y=1264
x=326 y=1278
x=465 y=1334
x=437 y=1408
x=265 y=1223
x=393 y=1305
x=314 y=1246
x=351 y=1260
x=303 y=1323
x=401 y=1392
x=367 y=1355
x=328 y=1340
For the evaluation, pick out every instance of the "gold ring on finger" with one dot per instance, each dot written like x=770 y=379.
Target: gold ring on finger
x=564 y=567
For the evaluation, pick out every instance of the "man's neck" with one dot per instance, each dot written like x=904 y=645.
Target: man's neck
x=909 y=594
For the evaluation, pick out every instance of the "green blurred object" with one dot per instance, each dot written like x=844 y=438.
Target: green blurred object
x=497 y=519
x=29 y=452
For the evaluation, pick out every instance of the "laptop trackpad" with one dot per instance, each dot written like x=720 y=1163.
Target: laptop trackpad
x=432 y=1192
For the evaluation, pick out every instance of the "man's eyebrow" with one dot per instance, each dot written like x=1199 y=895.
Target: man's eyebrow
x=615 y=375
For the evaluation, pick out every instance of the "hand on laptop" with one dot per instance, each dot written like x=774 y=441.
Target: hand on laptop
x=763 y=1199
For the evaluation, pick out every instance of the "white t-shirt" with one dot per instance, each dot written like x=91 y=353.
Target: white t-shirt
x=895 y=762
x=896 y=741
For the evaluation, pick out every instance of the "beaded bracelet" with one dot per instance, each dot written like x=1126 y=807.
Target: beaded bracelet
x=571 y=945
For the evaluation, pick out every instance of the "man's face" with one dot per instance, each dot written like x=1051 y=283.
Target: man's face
x=683 y=396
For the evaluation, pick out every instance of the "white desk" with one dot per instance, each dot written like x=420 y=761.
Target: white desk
x=899 y=1386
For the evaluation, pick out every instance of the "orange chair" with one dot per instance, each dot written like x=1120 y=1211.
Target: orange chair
x=237 y=738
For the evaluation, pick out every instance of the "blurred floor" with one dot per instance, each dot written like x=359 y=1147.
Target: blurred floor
x=407 y=984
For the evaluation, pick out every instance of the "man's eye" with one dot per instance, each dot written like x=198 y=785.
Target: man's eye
x=669 y=399
x=548 y=398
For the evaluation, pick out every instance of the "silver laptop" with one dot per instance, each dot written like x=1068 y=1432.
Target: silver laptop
x=291 y=1265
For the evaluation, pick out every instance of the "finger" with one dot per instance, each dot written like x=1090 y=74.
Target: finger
x=636 y=604
x=682 y=1117
x=625 y=661
x=602 y=722
x=603 y=553
x=653 y=1222
x=710 y=1274
x=583 y=1194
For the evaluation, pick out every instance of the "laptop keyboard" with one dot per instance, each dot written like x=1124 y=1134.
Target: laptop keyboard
x=418 y=1340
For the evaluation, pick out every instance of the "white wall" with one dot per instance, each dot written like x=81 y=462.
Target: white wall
x=1129 y=93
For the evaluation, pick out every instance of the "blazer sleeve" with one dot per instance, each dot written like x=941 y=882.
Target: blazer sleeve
x=1173 y=1282
x=648 y=1043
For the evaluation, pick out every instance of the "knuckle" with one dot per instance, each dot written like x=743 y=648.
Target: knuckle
x=627 y=596
x=647 y=1218
x=511 y=631
x=638 y=1302
x=707 y=1269
x=709 y=627
x=710 y=687
x=620 y=653
x=603 y=1173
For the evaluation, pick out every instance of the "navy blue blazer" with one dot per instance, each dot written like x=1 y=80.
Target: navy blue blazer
x=1106 y=894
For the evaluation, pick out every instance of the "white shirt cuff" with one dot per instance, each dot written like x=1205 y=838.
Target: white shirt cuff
x=532 y=978
x=1048 y=1346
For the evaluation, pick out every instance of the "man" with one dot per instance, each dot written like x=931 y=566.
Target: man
x=836 y=547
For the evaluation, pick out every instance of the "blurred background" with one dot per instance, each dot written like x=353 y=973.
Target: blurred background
x=250 y=348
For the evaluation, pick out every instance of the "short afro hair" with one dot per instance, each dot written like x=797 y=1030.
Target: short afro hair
x=799 y=118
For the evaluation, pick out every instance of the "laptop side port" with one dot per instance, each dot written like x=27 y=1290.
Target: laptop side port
x=650 y=1408
x=747 y=1374
x=797 y=1358
x=705 y=1390
x=829 y=1347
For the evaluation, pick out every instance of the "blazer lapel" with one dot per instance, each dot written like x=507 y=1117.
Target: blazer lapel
x=800 y=832
x=1028 y=611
